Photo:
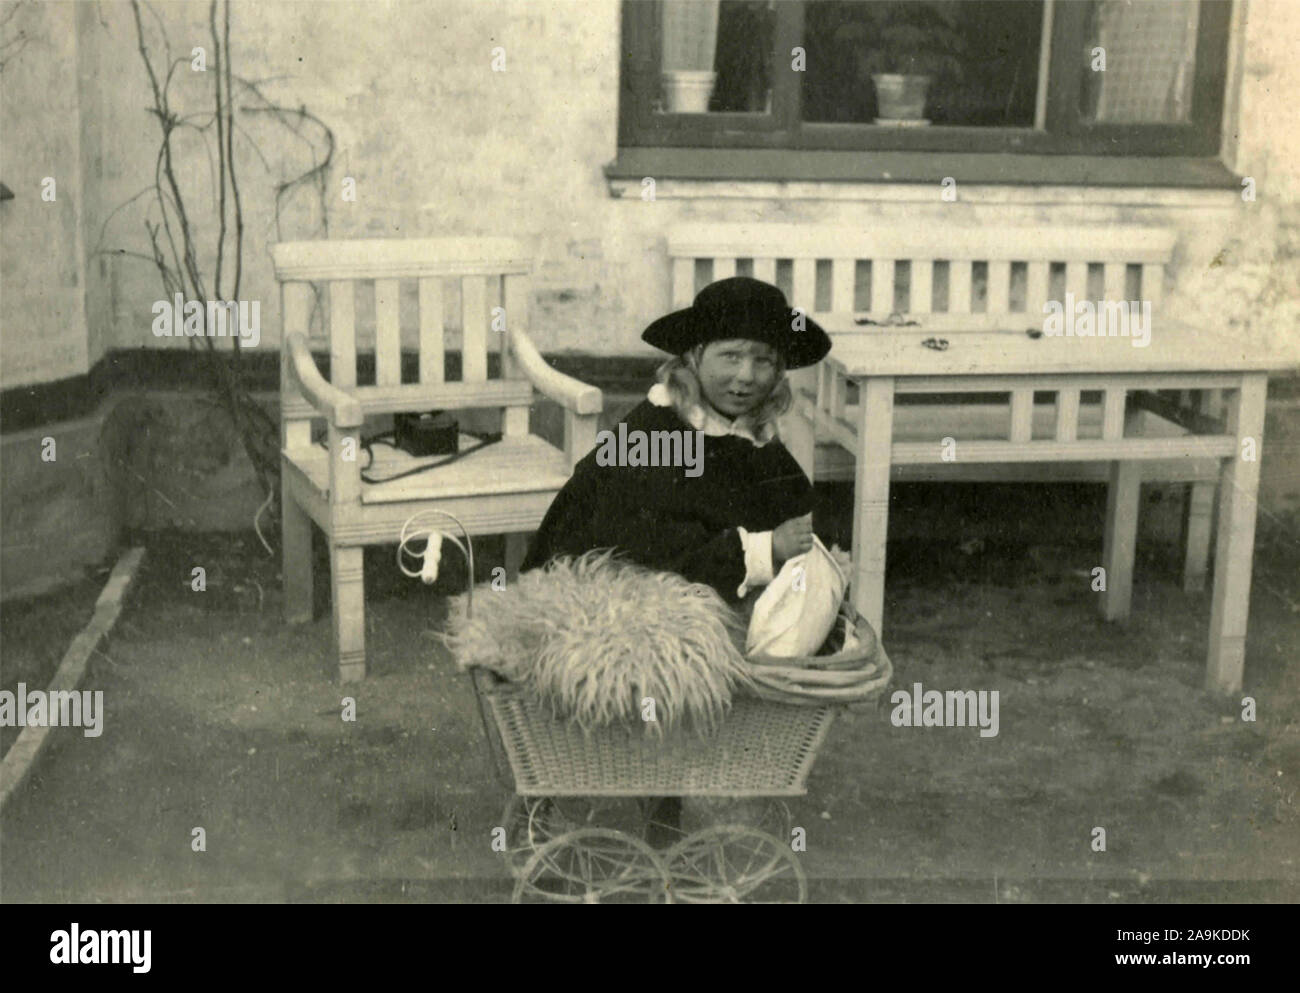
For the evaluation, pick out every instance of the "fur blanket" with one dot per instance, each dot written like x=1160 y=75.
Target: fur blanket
x=594 y=636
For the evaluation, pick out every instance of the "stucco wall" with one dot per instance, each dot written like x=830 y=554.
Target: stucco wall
x=1251 y=283
x=41 y=269
x=438 y=143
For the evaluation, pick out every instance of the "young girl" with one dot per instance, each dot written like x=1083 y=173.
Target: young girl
x=734 y=519
x=731 y=521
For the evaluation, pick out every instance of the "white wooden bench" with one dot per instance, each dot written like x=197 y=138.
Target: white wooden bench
x=953 y=281
x=505 y=488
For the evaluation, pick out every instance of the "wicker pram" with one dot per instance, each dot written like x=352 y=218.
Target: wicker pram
x=574 y=830
x=760 y=749
x=575 y=826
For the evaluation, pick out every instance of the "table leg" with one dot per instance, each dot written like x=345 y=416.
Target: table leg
x=1235 y=547
x=1123 y=501
x=871 y=498
x=1196 y=535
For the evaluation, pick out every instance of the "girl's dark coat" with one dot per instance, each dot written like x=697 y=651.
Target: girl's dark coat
x=662 y=518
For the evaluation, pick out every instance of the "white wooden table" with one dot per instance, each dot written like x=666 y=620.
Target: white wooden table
x=1220 y=397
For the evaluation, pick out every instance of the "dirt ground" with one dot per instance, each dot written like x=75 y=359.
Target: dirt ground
x=221 y=717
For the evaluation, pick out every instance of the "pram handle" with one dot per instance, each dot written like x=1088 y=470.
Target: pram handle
x=475 y=672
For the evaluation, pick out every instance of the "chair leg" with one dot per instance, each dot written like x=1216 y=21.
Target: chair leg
x=516 y=549
x=347 y=586
x=1199 y=510
x=296 y=558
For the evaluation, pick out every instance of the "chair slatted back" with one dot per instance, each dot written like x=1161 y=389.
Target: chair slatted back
x=486 y=273
x=981 y=277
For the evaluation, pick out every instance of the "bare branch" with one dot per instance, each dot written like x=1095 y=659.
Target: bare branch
x=173 y=241
x=230 y=159
x=221 y=146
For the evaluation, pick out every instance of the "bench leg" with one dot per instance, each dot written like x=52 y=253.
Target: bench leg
x=347 y=586
x=295 y=558
x=871 y=500
x=516 y=549
x=1198 y=523
x=1238 y=489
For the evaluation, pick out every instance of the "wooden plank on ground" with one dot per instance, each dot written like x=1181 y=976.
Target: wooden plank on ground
x=22 y=754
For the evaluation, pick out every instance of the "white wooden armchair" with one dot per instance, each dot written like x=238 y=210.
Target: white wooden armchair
x=505 y=488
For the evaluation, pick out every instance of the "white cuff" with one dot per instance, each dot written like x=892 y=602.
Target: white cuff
x=758 y=559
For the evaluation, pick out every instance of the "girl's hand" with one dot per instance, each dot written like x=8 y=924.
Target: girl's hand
x=792 y=538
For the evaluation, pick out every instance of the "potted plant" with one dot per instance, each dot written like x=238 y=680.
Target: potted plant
x=690 y=32
x=904 y=48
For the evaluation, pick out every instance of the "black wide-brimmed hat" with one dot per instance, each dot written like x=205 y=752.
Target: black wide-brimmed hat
x=741 y=307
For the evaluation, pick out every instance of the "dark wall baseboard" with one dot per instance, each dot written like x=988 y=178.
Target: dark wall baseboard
x=26 y=407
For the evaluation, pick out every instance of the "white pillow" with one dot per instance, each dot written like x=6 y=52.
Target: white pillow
x=798 y=610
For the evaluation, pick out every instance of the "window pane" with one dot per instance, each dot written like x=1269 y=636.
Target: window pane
x=716 y=56
x=980 y=57
x=1139 y=62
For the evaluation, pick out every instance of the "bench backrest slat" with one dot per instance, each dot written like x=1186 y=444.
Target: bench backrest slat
x=986 y=271
x=922 y=286
x=803 y=283
x=1114 y=281
x=1153 y=282
x=843 y=274
x=683 y=282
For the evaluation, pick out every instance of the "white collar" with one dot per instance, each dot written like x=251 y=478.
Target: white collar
x=713 y=424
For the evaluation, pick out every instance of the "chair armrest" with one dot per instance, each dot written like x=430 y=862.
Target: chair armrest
x=572 y=393
x=343 y=411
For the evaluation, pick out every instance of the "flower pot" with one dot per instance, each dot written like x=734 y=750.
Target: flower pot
x=690 y=34
x=687 y=91
x=900 y=97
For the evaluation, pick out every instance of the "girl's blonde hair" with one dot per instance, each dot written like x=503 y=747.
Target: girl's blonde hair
x=680 y=376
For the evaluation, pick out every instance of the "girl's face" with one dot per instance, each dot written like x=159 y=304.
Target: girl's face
x=736 y=375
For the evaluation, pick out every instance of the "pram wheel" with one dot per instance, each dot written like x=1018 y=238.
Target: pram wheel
x=531 y=822
x=767 y=814
x=593 y=865
x=731 y=863
x=526 y=829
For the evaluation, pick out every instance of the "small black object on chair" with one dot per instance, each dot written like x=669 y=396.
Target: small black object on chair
x=432 y=433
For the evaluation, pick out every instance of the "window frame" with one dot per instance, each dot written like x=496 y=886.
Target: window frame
x=639 y=126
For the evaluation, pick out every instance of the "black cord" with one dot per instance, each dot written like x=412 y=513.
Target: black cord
x=483 y=441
